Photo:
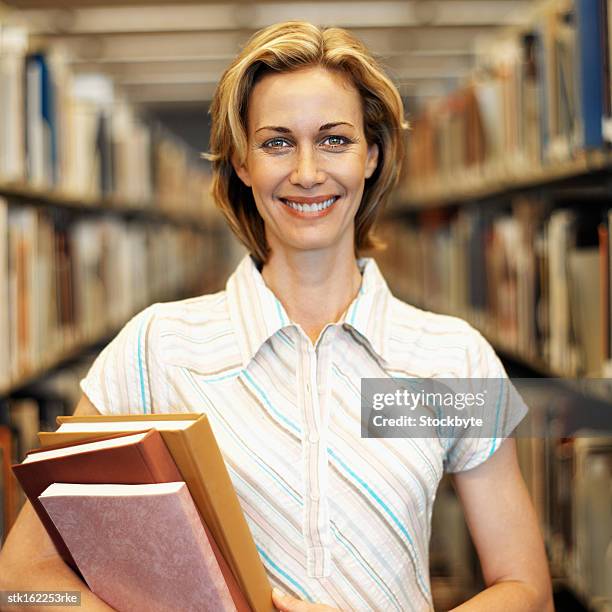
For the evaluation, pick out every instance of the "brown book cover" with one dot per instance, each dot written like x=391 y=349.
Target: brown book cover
x=198 y=458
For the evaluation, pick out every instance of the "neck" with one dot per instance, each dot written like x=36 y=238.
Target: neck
x=314 y=288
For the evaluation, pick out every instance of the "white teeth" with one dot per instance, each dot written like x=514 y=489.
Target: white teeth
x=311 y=207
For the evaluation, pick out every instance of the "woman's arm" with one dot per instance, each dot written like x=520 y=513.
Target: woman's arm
x=505 y=531
x=30 y=562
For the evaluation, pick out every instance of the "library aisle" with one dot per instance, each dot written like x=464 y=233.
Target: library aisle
x=502 y=216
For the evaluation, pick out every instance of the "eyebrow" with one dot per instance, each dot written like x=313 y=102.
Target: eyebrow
x=284 y=130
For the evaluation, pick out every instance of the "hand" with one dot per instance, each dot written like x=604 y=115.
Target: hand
x=287 y=603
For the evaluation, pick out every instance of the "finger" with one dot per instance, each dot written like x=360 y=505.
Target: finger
x=288 y=603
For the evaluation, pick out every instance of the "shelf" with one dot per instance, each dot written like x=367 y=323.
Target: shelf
x=154 y=211
x=536 y=365
x=481 y=184
x=60 y=359
x=80 y=347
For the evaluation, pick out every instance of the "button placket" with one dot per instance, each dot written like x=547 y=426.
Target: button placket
x=323 y=396
x=316 y=523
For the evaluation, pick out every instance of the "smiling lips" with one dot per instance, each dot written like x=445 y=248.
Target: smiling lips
x=310 y=207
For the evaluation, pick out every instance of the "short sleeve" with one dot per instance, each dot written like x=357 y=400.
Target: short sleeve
x=119 y=380
x=503 y=410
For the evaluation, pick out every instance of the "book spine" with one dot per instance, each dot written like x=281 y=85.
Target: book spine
x=604 y=279
x=591 y=71
x=157 y=459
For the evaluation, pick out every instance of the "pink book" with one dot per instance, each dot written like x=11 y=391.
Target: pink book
x=139 y=547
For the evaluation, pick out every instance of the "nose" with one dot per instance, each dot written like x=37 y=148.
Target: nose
x=307 y=172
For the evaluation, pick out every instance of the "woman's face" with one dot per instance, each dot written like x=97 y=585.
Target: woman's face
x=307 y=158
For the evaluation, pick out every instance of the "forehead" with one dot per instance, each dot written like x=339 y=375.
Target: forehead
x=313 y=95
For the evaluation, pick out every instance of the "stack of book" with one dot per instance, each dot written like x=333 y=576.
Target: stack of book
x=144 y=510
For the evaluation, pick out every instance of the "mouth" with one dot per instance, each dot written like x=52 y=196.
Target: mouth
x=310 y=206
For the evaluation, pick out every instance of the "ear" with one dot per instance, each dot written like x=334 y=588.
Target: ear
x=372 y=160
x=241 y=170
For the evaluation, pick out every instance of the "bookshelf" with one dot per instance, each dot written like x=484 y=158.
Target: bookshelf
x=56 y=361
x=103 y=211
x=20 y=193
x=503 y=218
x=472 y=186
x=70 y=276
x=525 y=137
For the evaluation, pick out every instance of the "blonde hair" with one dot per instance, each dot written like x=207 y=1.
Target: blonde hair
x=284 y=47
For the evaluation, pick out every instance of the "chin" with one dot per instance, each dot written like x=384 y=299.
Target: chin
x=308 y=244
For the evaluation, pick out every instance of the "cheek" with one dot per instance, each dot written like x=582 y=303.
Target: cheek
x=350 y=171
x=266 y=173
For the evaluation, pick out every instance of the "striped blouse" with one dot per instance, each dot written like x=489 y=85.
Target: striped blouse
x=337 y=518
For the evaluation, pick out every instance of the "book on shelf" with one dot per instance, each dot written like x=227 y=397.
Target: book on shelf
x=191 y=442
x=67 y=280
x=569 y=481
x=8 y=485
x=5 y=460
x=560 y=238
x=13 y=46
x=41 y=126
x=608 y=313
x=24 y=417
x=585 y=304
x=533 y=278
x=71 y=133
x=5 y=373
x=603 y=234
x=590 y=61
x=538 y=98
x=592 y=498
x=606 y=27
x=141 y=546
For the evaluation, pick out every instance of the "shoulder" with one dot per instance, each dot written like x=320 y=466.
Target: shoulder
x=191 y=313
x=131 y=373
x=444 y=344
x=187 y=316
x=193 y=331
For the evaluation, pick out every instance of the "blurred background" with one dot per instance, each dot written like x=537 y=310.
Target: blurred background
x=502 y=215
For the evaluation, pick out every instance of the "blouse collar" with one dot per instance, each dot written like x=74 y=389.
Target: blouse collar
x=257 y=314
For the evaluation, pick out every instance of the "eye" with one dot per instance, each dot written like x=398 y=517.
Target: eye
x=335 y=141
x=276 y=143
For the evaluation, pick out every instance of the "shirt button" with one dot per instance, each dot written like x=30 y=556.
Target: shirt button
x=313 y=438
x=314 y=496
x=308 y=387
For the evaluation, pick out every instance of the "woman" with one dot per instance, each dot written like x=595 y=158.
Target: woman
x=306 y=146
